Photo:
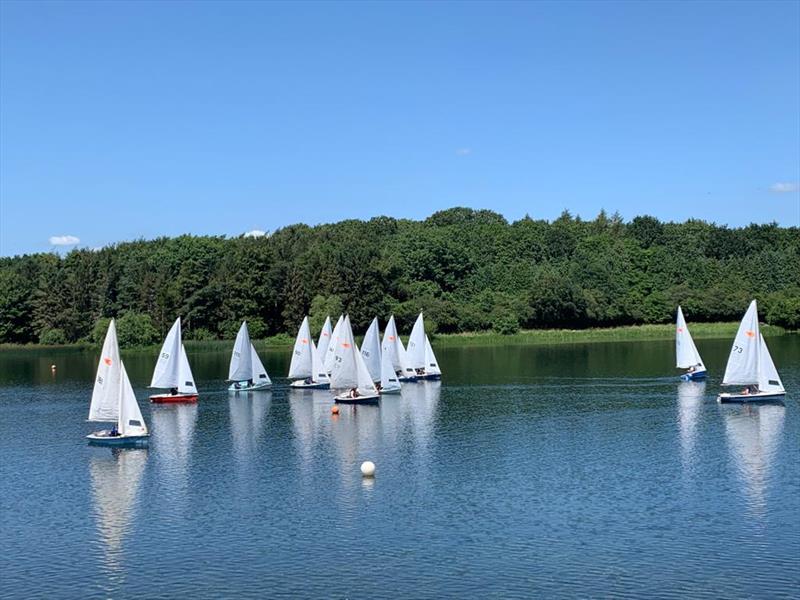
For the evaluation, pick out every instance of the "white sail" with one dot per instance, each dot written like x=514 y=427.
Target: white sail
x=388 y=376
x=344 y=372
x=686 y=353
x=324 y=337
x=365 y=384
x=241 y=368
x=259 y=372
x=130 y=417
x=318 y=374
x=185 y=379
x=166 y=375
x=371 y=350
x=416 y=344
x=431 y=364
x=105 y=396
x=406 y=369
x=389 y=345
x=768 y=378
x=330 y=352
x=300 y=367
x=742 y=366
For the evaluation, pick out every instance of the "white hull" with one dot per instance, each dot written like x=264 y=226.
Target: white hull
x=105 y=438
x=243 y=387
x=346 y=398
x=391 y=390
x=317 y=385
x=757 y=397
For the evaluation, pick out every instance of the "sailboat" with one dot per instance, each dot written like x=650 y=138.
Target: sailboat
x=246 y=370
x=306 y=367
x=113 y=399
x=432 y=370
x=327 y=358
x=750 y=364
x=350 y=372
x=394 y=346
x=687 y=356
x=371 y=350
x=389 y=382
x=324 y=338
x=172 y=370
x=416 y=347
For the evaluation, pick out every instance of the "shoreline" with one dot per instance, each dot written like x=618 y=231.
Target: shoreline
x=525 y=337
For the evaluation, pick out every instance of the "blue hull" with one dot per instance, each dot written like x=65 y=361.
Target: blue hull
x=252 y=388
x=120 y=442
x=694 y=376
x=359 y=400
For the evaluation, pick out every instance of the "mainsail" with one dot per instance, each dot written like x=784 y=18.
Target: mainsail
x=344 y=371
x=685 y=351
x=166 y=373
x=742 y=368
x=105 y=396
x=241 y=368
x=330 y=351
x=371 y=350
x=324 y=337
x=301 y=367
x=389 y=346
x=416 y=344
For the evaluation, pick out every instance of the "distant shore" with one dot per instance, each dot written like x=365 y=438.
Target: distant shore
x=483 y=338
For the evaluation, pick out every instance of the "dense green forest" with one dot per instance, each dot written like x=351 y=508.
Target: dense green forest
x=468 y=270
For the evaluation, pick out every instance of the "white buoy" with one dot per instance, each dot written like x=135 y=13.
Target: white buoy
x=368 y=468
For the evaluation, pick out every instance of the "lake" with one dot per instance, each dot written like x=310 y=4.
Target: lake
x=529 y=471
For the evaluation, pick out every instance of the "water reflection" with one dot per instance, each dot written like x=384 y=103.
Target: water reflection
x=173 y=427
x=115 y=483
x=310 y=410
x=248 y=412
x=753 y=433
x=690 y=401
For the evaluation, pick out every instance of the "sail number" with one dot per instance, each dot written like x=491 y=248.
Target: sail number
x=737 y=349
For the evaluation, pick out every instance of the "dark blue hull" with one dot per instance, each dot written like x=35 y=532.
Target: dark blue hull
x=698 y=376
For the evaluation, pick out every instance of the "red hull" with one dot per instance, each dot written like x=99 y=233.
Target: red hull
x=174 y=398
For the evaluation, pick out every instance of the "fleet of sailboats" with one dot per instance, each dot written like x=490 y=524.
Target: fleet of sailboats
x=172 y=370
x=361 y=376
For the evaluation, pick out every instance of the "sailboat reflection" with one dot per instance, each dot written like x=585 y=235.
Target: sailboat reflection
x=174 y=427
x=754 y=433
x=690 y=401
x=310 y=416
x=115 y=484
x=247 y=413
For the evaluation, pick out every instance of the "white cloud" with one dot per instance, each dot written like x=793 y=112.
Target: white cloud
x=64 y=240
x=255 y=233
x=463 y=151
x=783 y=187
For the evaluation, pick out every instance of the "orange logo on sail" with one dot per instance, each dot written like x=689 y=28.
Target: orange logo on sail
x=749 y=333
x=107 y=361
x=345 y=345
x=325 y=334
x=305 y=341
x=680 y=329
x=391 y=338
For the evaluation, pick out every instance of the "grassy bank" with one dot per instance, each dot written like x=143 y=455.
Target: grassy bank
x=482 y=338
x=607 y=334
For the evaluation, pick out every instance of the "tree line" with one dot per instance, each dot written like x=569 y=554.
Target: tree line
x=469 y=270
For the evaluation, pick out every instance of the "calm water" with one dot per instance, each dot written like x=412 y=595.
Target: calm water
x=583 y=470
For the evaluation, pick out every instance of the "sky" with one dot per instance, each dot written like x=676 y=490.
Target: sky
x=121 y=121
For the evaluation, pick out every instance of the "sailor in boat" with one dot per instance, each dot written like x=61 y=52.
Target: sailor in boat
x=354 y=393
x=173 y=391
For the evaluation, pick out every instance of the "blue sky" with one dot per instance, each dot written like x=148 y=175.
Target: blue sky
x=127 y=120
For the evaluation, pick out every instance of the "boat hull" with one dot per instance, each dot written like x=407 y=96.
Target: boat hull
x=346 y=399
x=237 y=387
x=408 y=379
x=432 y=376
x=392 y=390
x=104 y=438
x=696 y=376
x=725 y=398
x=173 y=398
x=299 y=385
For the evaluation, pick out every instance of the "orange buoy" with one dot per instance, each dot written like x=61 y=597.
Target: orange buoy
x=335 y=410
